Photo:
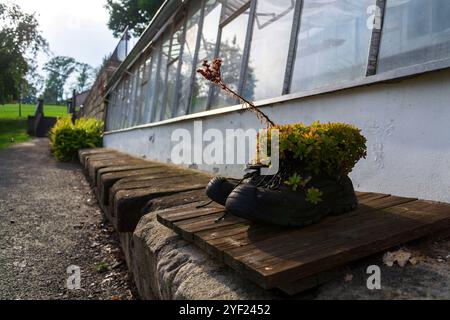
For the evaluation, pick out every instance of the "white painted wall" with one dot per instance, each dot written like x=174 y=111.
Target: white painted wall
x=407 y=124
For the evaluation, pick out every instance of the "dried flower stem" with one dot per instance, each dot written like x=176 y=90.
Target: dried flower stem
x=212 y=73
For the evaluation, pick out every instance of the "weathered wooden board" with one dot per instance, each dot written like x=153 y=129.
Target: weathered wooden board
x=294 y=259
x=129 y=199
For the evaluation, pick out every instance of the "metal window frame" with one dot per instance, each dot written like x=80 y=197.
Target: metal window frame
x=148 y=96
x=211 y=90
x=166 y=75
x=155 y=96
x=141 y=89
x=135 y=103
x=375 y=41
x=175 y=103
x=166 y=67
x=194 y=69
x=235 y=14
x=293 y=44
x=247 y=47
x=196 y=54
x=170 y=62
x=249 y=5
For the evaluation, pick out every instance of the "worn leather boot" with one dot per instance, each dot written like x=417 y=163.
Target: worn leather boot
x=219 y=188
x=285 y=207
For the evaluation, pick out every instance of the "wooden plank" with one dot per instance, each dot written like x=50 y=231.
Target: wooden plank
x=187 y=228
x=205 y=230
x=127 y=205
x=194 y=198
x=107 y=180
x=287 y=258
x=292 y=259
x=360 y=194
x=122 y=168
x=295 y=287
x=189 y=212
x=217 y=241
x=199 y=225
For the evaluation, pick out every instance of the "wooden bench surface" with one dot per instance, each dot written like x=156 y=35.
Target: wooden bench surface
x=294 y=259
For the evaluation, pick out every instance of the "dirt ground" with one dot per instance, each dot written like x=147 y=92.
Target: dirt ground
x=49 y=221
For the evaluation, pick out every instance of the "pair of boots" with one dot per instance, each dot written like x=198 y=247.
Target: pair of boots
x=283 y=206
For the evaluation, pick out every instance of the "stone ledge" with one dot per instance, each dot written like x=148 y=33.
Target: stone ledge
x=175 y=269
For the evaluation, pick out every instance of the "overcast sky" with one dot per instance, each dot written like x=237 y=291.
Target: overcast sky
x=73 y=28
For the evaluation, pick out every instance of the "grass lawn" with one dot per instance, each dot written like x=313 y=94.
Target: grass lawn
x=13 y=129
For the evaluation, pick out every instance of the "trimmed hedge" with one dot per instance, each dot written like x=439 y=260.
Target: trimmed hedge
x=67 y=138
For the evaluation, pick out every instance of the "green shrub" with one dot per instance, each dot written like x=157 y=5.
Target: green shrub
x=67 y=138
x=319 y=149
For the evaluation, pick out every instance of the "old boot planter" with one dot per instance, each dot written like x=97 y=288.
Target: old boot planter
x=286 y=207
x=312 y=181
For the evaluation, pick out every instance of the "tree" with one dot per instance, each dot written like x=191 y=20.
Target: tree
x=59 y=69
x=135 y=14
x=85 y=77
x=20 y=41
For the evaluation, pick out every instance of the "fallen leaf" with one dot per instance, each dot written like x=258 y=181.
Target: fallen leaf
x=416 y=260
x=401 y=257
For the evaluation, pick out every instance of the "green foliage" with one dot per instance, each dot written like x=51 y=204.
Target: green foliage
x=296 y=182
x=20 y=41
x=136 y=14
x=11 y=111
x=85 y=77
x=314 y=196
x=59 y=69
x=67 y=138
x=13 y=129
x=102 y=267
x=320 y=149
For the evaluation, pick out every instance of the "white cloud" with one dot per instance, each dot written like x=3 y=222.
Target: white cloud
x=73 y=28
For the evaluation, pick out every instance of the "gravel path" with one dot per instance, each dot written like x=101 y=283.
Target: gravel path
x=49 y=221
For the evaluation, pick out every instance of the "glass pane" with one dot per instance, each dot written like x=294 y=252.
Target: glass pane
x=230 y=7
x=188 y=61
x=110 y=112
x=113 y=111
x=138 y=116
x=177 y=40
x=121 y=106
x=272 y=29
x=333 y=43
x=232 y=45
x=145 y=77
x=127 y=104
x=414 y=32
x=134 y=97
x=117 y=104
x=206 y=51
x=161 y=79
x=150 y=100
